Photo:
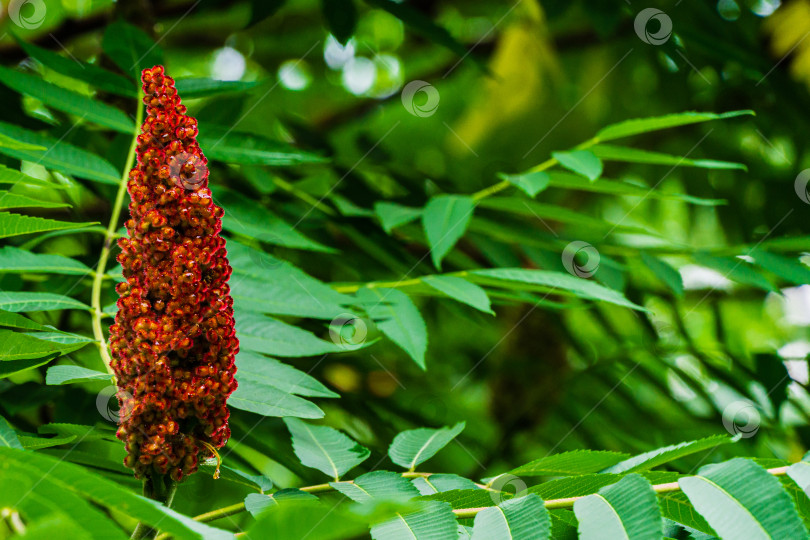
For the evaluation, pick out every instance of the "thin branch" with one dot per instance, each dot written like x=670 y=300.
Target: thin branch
x=460 y=513
x=109 y=236
x=160 y=488
x=547 y=164
x=568 y=502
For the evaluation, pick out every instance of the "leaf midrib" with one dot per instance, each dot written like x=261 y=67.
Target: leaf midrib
x=325 y=453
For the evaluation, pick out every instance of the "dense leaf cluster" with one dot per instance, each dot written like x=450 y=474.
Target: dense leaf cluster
x=410 y=285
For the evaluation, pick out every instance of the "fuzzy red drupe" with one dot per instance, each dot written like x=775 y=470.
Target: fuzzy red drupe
x=173 y=342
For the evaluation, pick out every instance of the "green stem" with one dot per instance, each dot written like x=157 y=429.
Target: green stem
x=568 y=502
x=304 y=196
x=354 y=287
x=549 y=163
x=477 y=196
x=503 y=184
x=109 y=236
x=377 y=285
x=161 y=488
x=460 y=513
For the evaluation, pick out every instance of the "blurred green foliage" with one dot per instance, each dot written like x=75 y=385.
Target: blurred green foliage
x=322 y=159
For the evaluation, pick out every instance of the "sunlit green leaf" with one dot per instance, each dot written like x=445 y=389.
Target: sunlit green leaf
x=461 y=290
x=626 y=509
x=223 y=144
x=248 y=218
x=434 y=521
x=18 y=346
x=790 y=270
x=13 y=320
x=74 y=480
x=660 y=456
x=530 y=183
x=735 y=269
x=21 y=301
x=325 y=448
x=17 y=260
x=16 y=224
x=378 y=485
x=663 y=271
x=646 y=125
x=67 y=101
x=415 y=446
x=257 y=503
x=201 y=87
x=60 y=156
x=73 y=374
x=608 y=152
x=8 y=437
x=399 y=319
x=445 y=219
x=513 y=519
x=567 y=180
x=571 y=463
x=440 y=483
x=280 y=375
x=582 y=162
x=722 y=494
x=83 y=71
x=270 y=336
x=16 y=200
x=560 y=283
x=393 y=215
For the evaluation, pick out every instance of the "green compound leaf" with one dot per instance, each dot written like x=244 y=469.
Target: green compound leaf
x=530 y=183
x=461 y=290
x=17 y=224
x=90 y=73
x=445 y=220
x=67 y=101
x=723 y=495
x=571 y=463
x=627 y=509
x=520 y=518
x=18 y=261
x=415 y=446
x=60 y=156
x=399 y=319
x=660 y=456
x=432 y=522
x=582 y=162
x=325 y=448
x=646 y=125
x=378 y=485
x=23 y=301
x=74 y=374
